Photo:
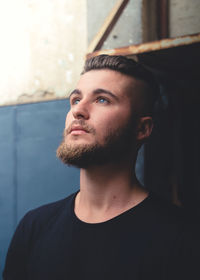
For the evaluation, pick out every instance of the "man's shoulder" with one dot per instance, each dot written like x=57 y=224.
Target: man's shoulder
x=53 y=206
x=164 y=212
x=48 y=213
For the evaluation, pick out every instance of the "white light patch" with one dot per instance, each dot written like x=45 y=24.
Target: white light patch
x=60 y=62
x=37 y=82
x=69 y=77
x=14 y=47
x=69 y=18
x=70 y=57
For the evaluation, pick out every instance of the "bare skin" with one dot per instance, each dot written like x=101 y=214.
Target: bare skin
x=109 y=190
x=106 y=194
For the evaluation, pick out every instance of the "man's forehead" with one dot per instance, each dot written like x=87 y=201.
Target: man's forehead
x=108 y=79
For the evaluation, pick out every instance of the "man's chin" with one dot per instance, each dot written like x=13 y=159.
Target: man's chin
x=117 y=147
x=77 y=142
x=77 y=154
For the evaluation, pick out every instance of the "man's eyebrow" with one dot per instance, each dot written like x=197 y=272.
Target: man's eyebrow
x=105 y=91
x=96 y=91
x=75 y=91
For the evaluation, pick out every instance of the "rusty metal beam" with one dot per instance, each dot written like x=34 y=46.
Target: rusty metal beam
x=151 y=46
x=107 y=26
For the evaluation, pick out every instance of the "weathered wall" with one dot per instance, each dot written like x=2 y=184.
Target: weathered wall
x=184 y=17
x=137 y=23
x=43 y=44
x=128 y=29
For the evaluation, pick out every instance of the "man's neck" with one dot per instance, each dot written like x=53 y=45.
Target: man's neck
x=107 y=191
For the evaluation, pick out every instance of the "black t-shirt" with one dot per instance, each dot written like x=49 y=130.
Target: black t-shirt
x=149 y=241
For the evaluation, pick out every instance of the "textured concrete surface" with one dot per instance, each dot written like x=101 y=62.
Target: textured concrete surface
x=128 y=29
x=43 y=43
x=184 y=17
x=42 y=48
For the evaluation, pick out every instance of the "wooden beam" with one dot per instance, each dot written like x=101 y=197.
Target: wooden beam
x=107 y=26
x=151 y=46
x=162 y=19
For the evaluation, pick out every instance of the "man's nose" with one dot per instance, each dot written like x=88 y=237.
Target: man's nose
x=80 y=110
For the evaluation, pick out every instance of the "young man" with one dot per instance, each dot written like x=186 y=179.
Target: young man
x=112 y=228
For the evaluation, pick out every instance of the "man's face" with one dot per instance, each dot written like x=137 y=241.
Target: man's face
x=100 y=126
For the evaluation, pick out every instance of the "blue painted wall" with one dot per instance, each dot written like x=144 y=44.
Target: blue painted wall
x=30 y=173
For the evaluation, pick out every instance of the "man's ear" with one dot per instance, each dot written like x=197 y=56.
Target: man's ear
x=144 y=128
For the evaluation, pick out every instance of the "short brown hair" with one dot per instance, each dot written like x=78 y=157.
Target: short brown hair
x=131 y=68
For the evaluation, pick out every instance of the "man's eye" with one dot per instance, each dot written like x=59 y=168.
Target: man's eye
x=75 y=101
x=102 y=100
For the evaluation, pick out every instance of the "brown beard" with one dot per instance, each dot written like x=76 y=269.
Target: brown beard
x=119 y=144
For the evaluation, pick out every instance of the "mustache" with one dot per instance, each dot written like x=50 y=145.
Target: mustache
x=81 y=123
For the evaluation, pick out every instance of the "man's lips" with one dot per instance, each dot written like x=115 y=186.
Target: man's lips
x=77 y=130
x=79 y=127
